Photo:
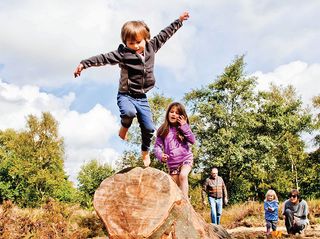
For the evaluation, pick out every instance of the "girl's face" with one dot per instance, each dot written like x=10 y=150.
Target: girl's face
x=173 y=115
x=137 y=44
x=270 y=197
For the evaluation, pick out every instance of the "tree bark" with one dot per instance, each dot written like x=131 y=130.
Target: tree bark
x=146 y=203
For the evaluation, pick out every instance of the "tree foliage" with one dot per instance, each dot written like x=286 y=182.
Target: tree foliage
x=253 y=137
x=90 y=177
x=31 y=163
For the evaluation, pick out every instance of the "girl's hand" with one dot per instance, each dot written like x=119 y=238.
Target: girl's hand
x=184 y=16
x=164 y=157
x=78 y=70
x=181 y=120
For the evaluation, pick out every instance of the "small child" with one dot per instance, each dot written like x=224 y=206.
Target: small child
x=271 y=206
x=136 y=61
x=172 y=145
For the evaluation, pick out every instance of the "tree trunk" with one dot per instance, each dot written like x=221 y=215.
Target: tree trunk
x=146 y=203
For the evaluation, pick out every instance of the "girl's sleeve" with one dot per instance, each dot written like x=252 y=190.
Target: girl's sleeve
x=158 y=148
x=110 y=58
x=266 y=205
x=189 y=136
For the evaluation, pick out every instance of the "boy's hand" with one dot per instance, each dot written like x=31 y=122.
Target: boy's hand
x=78 y=70
x=184 y=16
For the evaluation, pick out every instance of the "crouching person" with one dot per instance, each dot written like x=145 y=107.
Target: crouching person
x=295 y=212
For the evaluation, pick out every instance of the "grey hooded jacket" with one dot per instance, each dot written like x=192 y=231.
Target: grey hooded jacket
x=136 y=76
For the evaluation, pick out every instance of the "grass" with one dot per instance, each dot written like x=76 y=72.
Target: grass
x=57 y=220
x=53 y=220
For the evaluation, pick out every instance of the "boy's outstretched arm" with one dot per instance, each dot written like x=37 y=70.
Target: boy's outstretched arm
x=78 y=70
x=184 y=16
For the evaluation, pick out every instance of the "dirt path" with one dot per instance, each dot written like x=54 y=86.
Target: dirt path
x=312 y=232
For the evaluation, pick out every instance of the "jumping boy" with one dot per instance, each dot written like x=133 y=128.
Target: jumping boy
x=136 y=61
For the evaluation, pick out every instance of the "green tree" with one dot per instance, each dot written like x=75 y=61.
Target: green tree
x=32 y=163
x=253 y=137
x=310 y=182
x=282 y=119
x=223 y=114
x=89 y=179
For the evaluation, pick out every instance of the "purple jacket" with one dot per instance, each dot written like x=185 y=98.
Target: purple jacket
x=178 y=150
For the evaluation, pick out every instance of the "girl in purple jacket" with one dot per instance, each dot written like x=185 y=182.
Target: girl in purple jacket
x=172 y=145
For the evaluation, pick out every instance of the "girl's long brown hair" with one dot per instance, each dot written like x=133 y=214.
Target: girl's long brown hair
x=164 y=128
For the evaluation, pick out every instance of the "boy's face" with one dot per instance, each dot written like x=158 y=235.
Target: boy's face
x=137 y=44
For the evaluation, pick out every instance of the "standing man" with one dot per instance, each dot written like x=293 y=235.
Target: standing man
x=295 y=212
x=216 y=191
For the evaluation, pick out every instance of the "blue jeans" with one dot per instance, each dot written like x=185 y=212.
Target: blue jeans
x=216 y=209
x=131 y=107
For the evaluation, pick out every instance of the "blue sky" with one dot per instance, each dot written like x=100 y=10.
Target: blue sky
x=42 y=42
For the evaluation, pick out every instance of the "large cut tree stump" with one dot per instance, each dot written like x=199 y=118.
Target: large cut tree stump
x=146 y=203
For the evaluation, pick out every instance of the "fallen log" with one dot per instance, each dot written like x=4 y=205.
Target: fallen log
x=146 y=203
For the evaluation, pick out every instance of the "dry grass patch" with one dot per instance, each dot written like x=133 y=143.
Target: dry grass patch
x=53 y=220
x=249 y=214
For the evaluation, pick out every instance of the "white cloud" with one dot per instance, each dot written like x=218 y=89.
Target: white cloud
x=49 y=39
x=87 y=135
x=93 y=128
x=302 y=76
x=79 y=156
x=42 y=42
x=18 y=102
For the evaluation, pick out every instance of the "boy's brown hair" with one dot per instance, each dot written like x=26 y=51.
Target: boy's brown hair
x=130 y=30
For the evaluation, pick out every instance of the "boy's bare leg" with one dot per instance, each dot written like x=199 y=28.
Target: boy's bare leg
x=146 y=158
x=123 y=133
